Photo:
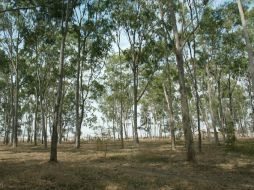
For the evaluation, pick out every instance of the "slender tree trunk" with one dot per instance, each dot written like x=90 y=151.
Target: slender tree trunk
x=15 y=134
x=7 y=121
x=155 y=124
x=40 y=91
x=114 y=131
x=135 y=104
x=5 y=126
x=168 y=97
x=198 y=115
x=210 y=107
x=231 y=103
x=54 y=139
x=160 y=130
x=197 y=98
x=60 y=123
x=184 y=99
x=12 y=109
x=78 y=132
x=121 y=123
x=36 y=119
x=207 y=124
x=121 y=89
x=44 y=130
x=230 y=96
x=16 y=99
x=222 y=117
x=125 y=126
x=248 y=44
x=251 y=102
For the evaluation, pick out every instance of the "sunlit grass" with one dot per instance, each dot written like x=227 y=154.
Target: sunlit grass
x=152 y=165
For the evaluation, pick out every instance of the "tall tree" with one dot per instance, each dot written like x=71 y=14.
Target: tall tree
x=248 y=47
x=66 y=12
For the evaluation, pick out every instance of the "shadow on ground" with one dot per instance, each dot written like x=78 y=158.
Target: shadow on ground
x=143 y=168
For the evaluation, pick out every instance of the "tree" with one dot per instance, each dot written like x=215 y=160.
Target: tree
x=138 y=28
x=248 y=47
x=67 y=8
x=178 y=48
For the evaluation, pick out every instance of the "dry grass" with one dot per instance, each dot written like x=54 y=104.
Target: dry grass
x=151 y=166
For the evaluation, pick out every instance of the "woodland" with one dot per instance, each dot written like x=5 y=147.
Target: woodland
x=127 y=94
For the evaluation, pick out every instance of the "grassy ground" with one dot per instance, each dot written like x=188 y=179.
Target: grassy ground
x=151 y=166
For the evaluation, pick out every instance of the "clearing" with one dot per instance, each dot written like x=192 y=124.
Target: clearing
x=151 y=166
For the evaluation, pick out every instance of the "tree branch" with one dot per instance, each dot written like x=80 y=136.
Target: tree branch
x=16 y=9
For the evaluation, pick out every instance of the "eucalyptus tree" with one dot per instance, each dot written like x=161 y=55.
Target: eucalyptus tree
x=64 y=10
x=248 y=43
x=116 y=100
x=247 y=38
x=91 y=32
x=153 y=105
x=168 y=15
x=170 y=75
x=38 y=44
x=225 y=61
x=137 y=20
x=12 y=24
x=6 y=115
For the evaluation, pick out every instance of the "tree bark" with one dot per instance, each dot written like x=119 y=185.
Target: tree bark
x=168 y=97
x=222 y=117
x=44 y=130
x=135 y=104
x=12 y=108
x=251 y=101
x=41 y=94
x=211 y=108
x=36 y=119
x=54 y=139
x=60 y=122
x=184 y=99
x=78 y=129
x=16 y=102
x=248 y=44
x=121 y=121
x=197 y=98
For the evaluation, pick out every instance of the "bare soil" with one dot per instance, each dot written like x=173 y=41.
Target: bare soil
x=151 y=166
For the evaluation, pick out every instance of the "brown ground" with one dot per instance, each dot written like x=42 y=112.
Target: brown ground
x=151 y=166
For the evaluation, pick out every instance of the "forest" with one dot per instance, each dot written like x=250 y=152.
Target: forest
x=127 y=94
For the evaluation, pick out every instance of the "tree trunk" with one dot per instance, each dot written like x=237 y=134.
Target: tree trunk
x=15 y=131
x=251 y=102
x=12 y=109
x=121 y=123
x=135 y=104
x=184 y=99
x=44 y=130
x=169 y=100
x=207 y=124
x=113 y=130
x=36 y=119
x=222 y=117
x=54 y=138
x=248 y=44
x=78 y=132
x=197 y=98
x=7 y=121
x=60 y=122
x=211 y=108
x=40 y=91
